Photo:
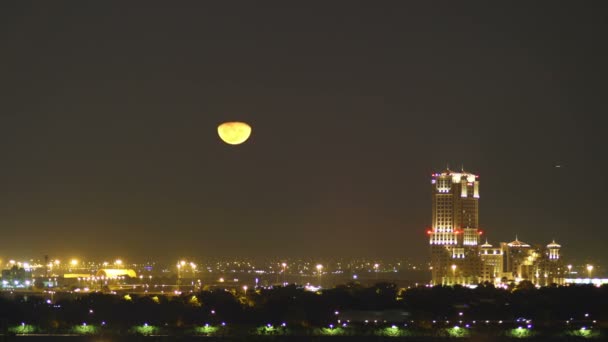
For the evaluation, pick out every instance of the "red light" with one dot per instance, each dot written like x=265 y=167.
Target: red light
x=480 y=232
x=429 y=232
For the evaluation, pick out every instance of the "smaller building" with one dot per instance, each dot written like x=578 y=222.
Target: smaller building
x=16 y=277
x=116 y=272
x=521 y=261
x=492 y=262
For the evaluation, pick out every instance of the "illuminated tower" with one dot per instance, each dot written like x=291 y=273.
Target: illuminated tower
x=553 y=269
x=454 y=235
x=553 y=249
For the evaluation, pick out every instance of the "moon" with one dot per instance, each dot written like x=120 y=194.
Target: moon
x=234 y=133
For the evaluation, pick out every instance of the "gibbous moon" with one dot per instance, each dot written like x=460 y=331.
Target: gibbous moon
x=234 y=133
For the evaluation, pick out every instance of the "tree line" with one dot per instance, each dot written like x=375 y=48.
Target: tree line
x=295 y=306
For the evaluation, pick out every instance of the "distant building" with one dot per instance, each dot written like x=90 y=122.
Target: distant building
x=116 y=272
x=16 y=277
x=492 y=262
x=456 y=255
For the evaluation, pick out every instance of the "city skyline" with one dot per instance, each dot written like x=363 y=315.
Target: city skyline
x=109 y=116
x=459 y=257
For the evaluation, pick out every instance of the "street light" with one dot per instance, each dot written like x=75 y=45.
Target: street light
x=376 y=270
x=181 y=267
x=179 y=275
x=319 y=272
x=453 y=273
x=284 y=265
x=569 y=269
x=589 y=269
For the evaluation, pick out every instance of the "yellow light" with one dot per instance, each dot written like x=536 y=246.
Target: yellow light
x=74 y=262
x=118 y=262
x=57 y=262
x=221 y=280
x=319 y=267
x=234 y=133
x=183 y=263
x=284 y=265
x=193 y=265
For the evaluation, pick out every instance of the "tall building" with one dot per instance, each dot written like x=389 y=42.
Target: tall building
x=454 y=235
x=456 y=254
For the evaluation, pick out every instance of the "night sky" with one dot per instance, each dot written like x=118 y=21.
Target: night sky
x=108 y=116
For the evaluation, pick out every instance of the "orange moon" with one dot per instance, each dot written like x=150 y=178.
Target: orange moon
x=234 y=133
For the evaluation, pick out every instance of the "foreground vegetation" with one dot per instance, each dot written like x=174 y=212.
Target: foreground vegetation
x=575 y=311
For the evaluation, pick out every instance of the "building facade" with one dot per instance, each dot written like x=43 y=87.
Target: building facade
x=454 y=235
x=457 y=257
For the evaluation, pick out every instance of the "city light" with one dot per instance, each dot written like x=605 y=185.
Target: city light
x=128 y=154
x=284 y=266
x=319 y=268
x=590 y=270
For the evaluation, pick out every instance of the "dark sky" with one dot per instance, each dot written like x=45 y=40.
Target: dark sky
x=108 y=115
